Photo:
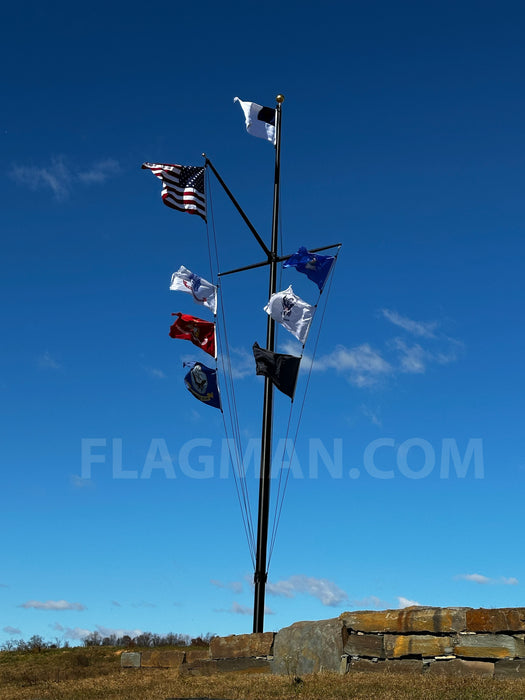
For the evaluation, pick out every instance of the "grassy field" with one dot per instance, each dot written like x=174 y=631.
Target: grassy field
x=95 y=673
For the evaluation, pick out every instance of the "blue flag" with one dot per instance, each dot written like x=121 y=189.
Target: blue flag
x=316 y=267
x=202 y=382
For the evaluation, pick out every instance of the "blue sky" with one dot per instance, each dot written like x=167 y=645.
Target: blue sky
x=403 y=140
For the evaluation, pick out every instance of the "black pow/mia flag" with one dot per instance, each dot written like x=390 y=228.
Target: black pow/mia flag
x=281 y=369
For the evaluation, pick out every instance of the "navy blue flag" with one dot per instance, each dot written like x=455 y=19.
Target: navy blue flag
x=202 y=382
x=316 y=267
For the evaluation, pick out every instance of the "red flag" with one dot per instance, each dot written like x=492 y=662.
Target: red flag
x=200 y=332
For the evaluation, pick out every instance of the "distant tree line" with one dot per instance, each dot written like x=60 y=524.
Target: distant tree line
x=94 y=639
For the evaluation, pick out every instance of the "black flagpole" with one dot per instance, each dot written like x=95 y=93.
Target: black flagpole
x=260 y=574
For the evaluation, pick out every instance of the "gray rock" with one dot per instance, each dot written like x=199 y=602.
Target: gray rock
x=309 y=647
x=509 y=669
x=130 y=659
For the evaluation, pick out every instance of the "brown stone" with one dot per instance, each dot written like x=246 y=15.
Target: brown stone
x=309 y=647
x=489 y=646
x=193 y=655
x=460 y=667
x=415 y=619
x=208 y=667
x=390 y=666
x=370 y=645
x=397 y=646
x=496 y=620
x=238 y=646
x=509 y=669
x=166 y=658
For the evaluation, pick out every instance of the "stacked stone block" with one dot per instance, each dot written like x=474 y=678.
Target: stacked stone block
x=439 y=641
x=243 y=653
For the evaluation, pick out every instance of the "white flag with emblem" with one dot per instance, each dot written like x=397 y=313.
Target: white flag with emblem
x=291 y=312
x=202 y=291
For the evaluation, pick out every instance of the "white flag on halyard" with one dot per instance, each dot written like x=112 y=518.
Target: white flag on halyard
x=260 y=121
x=202 y=291
x=292 y=312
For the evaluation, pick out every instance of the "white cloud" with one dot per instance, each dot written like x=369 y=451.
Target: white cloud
x=235 y=586
x=373 y=416
x=99 y=172
x=366 y=366
x=242 y=363
x=79 y=482
x=239 y=609
x=143 y=604
x=55 y=176
x=370 y=602
x=11 y=630
x=406 y=602
x=71 y=632
x=412 y=359
x=362 y=364
x=326 y=591
x=509 y=581
x=118 y=632
x=155 y=373
x=52 y=605
x=423 y=329
x=81 y=633
x=61 y=178
x=485 y=580
x=45 y=361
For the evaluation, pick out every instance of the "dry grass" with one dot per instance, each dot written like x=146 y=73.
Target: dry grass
x=95 y=674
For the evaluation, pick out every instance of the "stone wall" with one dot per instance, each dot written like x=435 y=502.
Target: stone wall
x=437 y=641
x=242 y=653
x=441 y=641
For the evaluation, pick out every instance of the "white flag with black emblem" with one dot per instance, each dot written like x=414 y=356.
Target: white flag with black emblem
x=291 y=312
x=260 y=121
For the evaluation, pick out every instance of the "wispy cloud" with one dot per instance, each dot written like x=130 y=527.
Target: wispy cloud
x=238 y=609
x=485 y=580
x=155 y=373
x=77 y=633
x=80 y=633
x=235 y=586
x=11 y=630
x=60 y=177
x=46 y=361
x=406 y=602
x=326 y=591
x=52 y=605
x=370 y=602
x=80 y=483
x=99 y=172
x=242 y=362
x=423 y=329
x=372 y=415
x=412 y=358
x=366 y=366
x=362 y=364
x=143 y=604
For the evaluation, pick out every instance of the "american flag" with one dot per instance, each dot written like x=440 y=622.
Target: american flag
x=182 y=186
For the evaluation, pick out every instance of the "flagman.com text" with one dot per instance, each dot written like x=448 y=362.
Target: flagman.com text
x=203 y=458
